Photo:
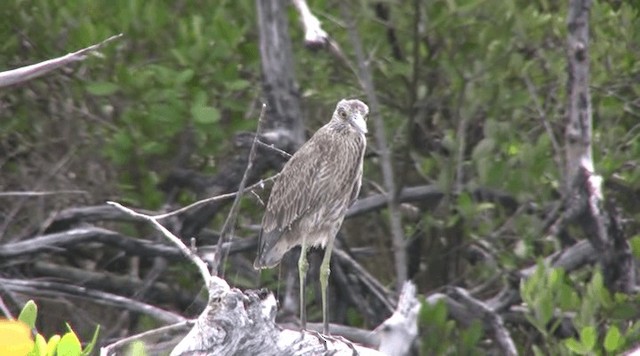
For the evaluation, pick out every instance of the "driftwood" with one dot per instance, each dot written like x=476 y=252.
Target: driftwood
x=237 y=323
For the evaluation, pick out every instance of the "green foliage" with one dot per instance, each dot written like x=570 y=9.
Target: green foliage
x=441 y=336
x=476 y=96
x=29 y=313
x=137 y=348
x=550 y=295
x=177 y=68
x=67 y=344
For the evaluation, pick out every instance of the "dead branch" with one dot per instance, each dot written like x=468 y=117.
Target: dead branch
x=27 y=73
x=366 y=81
x=489 y=317
x=314 y=35
x=237 y=323
x=228 y=227
x=55 y=290
x=187 y=252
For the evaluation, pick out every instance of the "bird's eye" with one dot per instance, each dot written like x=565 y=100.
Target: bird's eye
x=343 y=114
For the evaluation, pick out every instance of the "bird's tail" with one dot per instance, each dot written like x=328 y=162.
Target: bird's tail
x=270 y=249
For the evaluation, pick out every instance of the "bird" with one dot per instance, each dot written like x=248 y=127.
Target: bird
x=310 y=197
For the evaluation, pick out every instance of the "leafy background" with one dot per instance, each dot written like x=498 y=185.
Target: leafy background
x=473 y=96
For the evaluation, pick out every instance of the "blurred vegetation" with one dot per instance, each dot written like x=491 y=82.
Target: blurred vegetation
x=473 y=95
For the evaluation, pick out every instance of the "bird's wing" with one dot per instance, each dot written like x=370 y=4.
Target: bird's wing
x=320 y=174
x=300 y=184
x=356 y=189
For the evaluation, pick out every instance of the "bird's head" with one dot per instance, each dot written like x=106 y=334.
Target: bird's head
x=354 y=113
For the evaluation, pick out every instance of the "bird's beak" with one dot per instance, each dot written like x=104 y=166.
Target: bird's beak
x=359 y=123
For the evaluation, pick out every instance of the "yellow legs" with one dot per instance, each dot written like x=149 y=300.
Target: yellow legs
x=303 y=266
x=325 y=270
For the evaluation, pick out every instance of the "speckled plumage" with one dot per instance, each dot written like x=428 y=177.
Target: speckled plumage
x=316 y=187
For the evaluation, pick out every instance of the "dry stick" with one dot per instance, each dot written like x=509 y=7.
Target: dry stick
x=502 y=335
x=366 y=82
x=163 y=332
x=187 y=252
x=8 y=218
x=543 y=117
x=5 y=310
x=41 y=194
x=259 y=184
x=275 y=149
x=56 y=289
x=229 y=223
x=24 y=74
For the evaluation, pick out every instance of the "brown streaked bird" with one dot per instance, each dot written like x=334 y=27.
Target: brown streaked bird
x=311 y=196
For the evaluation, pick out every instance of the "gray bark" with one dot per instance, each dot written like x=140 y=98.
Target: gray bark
x=584 y=200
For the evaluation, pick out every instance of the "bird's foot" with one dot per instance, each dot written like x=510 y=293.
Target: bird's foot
x=324 y=339
x=344 y=340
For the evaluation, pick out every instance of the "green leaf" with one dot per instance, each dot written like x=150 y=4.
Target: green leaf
x=40 y=347
x=89 y=348
x=185 y=76
x=635 y=245
x=575 y=346
x=52 y=345
x=237 y=85
x=102 y=88
x=613 y=340
x=137 y=348
x=205 y=114
x=545 y=309
x=29 y=314
x=69 y=345
x=588 y=337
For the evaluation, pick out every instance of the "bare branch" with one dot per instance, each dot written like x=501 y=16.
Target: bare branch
x=158 y=341
x=366 y=81
x=55 y=290
x=275 y=149
x=314 y=35
x=228 y=227
x=259 y=184
x=84 y=235
x=187 y=252
x=490 y=318
x=578 y=133
x=36 y=70
x=41 y=194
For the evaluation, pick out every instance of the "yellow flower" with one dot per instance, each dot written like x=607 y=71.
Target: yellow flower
x=15 y=338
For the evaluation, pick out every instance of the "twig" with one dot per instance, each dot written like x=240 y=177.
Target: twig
x=259 y=184
x=161 y=332
x=55 y=290
x=35 y=70
x=366 y=82
x=83 y=235
x=229 y=223
x=490 y=318
x=543 y=117
x=202 y=267
x=41 y=194
x=275 y=149
x=5 y=310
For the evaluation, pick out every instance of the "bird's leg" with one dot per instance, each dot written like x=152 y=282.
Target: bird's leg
x=325 y=270
x=303 y=266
